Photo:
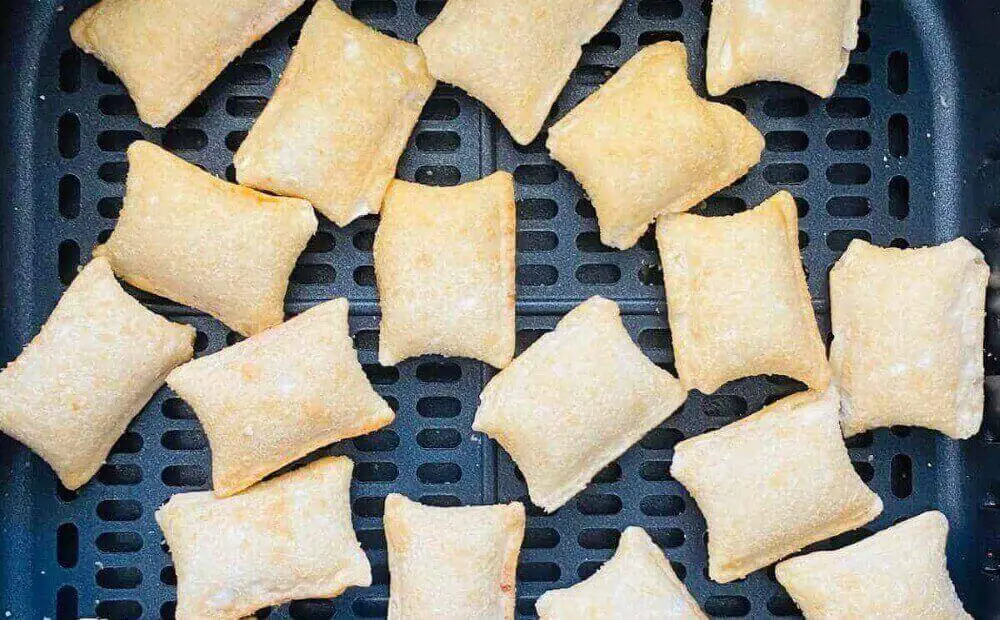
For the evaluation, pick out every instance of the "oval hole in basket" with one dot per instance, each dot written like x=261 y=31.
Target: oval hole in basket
x=114 y=474
x=369 y=506
x=119 y=510
x=184 y=440
x=661 y=439
x=119 y=542
x=372 y=539
x=69 y=196
x=728 y=606
x=376 y=472
x=67 y=603
x=184 y=476
x=383 y=440
x=660 y=9
x=439 y=438
x=439 y=372
x=599 y=504
x=662 y=505
x=439 y=473
x=314 y=609
x=540 y=538
x=119 y=577
x=535 y=572
x=598 y=538
x=67 y=545
x=439 y=407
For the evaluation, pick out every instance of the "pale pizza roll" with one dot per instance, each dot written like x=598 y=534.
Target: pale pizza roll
x=574 y=401
x=98 y=359
x=280 y=395
x=284 y=539
x=444 y=263
x=456 y=563
x=900 y=572
x=167 y=51
x=339 y=119
x=908 y=331
x=737 y=297
x=637 y=583
x=773 y=483
x=191 y=237
x=645 y=144
x=804 y=43
x=514 y=57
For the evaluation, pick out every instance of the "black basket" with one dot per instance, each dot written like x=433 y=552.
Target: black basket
x=905 y=153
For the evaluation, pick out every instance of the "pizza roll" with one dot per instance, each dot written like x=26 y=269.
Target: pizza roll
x=167 y=51
x=574 y=401
x=285 y=539
x=803 y=43
x=452 y=563
x=638 y=583
x=900 y=572
x=645 y=144
x=212 y=245
x=444 y=263
x=96 y=362
x=773 y=483
x=908 y=331
x=515 y=58
x=277 y=396
x=737 y=296
x=339 y=119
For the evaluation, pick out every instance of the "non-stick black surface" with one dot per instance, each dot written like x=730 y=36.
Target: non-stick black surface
x=904 y=153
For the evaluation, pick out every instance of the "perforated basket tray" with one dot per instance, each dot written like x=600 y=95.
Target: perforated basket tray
x=905 y=153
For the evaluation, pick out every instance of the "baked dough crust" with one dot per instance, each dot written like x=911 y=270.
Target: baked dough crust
x=212 y=245
x=516 y=58
x=444 y=263
x=645 y=144
x=574 y=401
x=773 y=483
x=804 y=43
x=737 y=297
x=638 y=583
x=339 y=119
x=452 y=563
x=908 y=331
x=280 y=395
x=285 y=539
x=167 y=51
x=900 y=572
x=97 y=360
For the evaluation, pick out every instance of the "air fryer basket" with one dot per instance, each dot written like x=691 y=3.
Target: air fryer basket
x=905 y=153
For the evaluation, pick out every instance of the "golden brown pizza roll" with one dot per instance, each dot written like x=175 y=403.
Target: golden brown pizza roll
x=574 y=401
x=638 y=583
x=772 y=483
x=340 y=118
x=803 y=43
x=908 y=331
x=279 y=395
x=900 y=572
x=212 y=245
x=167 y=51
x=645 y=144
x=452 y=563
x=284 y=539
x=444 y=263
x=514 y=57
x=737 y=296
x=97 y=360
